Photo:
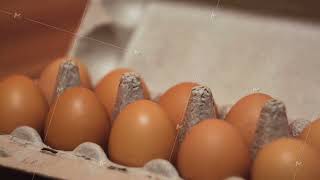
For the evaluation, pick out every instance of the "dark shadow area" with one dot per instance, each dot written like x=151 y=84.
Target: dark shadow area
x=8 y=173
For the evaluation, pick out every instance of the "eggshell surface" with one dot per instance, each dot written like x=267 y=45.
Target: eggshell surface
x=286 y=159
x=21 y=104
x=141 y=132
x=74 y=118
x=213 y=150
x=245 y=114
x=311 y=134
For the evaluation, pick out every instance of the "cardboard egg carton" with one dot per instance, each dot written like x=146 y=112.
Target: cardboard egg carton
x=25 y=151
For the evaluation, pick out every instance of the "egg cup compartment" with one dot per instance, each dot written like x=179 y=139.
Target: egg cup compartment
x=130 y=90
x=24 y=150
x=68 y=76
x=272 y=124
x=201 y=106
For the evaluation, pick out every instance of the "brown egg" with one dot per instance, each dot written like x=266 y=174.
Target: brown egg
x=140 y=133
x=75 y=117
x=175 y=100
x=107 y=89
x=311 y=134
x=286 y=159
x=21 y=104
x=213 y=150
x=47 y=81
x=245 y=114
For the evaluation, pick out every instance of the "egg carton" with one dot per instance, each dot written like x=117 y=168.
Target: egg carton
x=24 y=150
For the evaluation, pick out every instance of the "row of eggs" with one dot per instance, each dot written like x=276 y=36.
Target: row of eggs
x=146 y=129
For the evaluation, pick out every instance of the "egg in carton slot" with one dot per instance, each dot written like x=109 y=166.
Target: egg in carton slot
x=24 y=150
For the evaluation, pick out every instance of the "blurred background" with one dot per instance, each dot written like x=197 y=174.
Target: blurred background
x=29 y=42
x=233 y=46
x=25 y=45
